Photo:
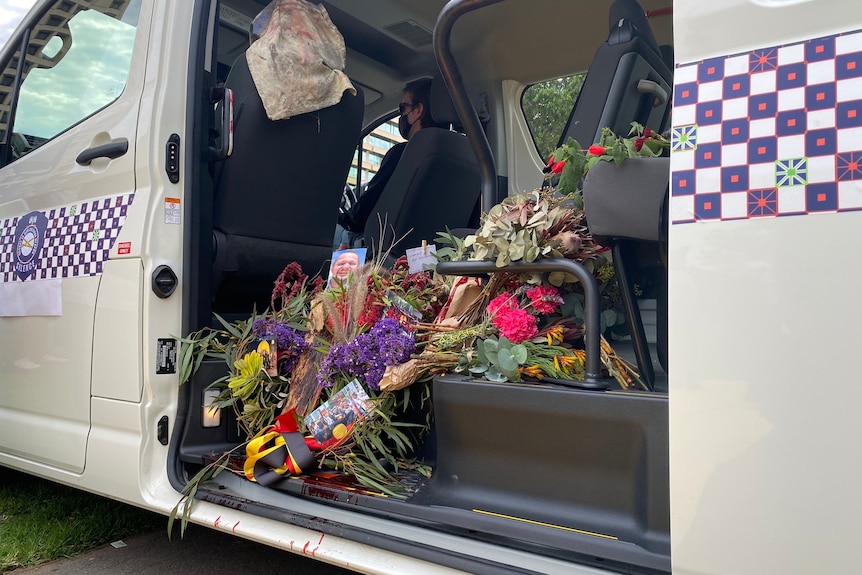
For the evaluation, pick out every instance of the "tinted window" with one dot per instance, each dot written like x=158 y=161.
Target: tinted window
x=78 y=68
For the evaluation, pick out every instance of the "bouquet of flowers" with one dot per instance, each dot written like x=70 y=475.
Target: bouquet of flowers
x=384 y=333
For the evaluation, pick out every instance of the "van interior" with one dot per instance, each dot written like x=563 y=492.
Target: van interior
x=578 y=475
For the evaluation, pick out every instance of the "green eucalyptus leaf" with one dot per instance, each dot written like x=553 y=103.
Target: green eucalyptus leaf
x=519 y=352
x=494 y=374
x=507 y=361
x=481 y=368
x=609 y=318
x=490 y=344
x=556 y=278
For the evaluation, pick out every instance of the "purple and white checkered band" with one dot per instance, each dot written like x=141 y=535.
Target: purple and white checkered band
x=773 y=132
x=77 y=241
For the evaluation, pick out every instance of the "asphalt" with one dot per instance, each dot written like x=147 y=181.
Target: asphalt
x=201 y=551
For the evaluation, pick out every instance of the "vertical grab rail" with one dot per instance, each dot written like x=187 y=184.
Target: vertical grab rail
x=466 y=112
x=592 y=305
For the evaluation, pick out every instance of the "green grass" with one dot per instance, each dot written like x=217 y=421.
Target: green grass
x=41 y=520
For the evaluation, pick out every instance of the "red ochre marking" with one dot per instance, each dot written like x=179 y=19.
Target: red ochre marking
x=791 y=122
x=821 y=197
x=707 y=205
x=734 y=178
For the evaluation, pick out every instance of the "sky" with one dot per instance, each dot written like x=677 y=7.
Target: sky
x=11 y=13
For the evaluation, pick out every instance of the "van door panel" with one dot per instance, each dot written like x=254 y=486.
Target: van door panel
x=118 y=330
x=46 y=362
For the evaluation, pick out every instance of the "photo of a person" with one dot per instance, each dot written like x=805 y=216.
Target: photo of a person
x=345 y=263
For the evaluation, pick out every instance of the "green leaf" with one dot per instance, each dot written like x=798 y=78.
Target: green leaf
x=231 y=329
x=556 y=278
x=490 y=344
x=519 y=352
x=507 y=361
x=494 y=374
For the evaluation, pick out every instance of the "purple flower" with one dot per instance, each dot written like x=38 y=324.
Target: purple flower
x=289 y=342
x=368 y=355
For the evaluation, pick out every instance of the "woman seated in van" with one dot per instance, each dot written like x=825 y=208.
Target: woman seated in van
x=415 y=110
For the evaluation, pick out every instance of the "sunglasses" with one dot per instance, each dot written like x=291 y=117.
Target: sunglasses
x=404 y=106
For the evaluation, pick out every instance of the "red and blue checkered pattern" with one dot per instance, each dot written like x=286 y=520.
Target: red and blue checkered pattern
x=77 y=241
x=774 y=132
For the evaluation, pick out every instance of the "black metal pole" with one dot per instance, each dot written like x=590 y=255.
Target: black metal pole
x=592 y=305
x=466 y=112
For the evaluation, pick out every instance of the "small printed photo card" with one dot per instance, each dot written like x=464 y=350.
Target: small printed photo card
x=401 y=310
x=344 y=265
x=269 y=353
x=334 y=418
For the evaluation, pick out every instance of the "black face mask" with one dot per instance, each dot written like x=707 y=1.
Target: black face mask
x=404 y=126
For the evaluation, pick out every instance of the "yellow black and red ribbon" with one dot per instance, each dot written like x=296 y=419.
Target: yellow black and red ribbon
x=279 y=451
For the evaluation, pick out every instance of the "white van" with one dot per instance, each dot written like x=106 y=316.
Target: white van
x=130 y=216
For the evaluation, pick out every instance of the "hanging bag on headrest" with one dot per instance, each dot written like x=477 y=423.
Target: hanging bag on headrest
x=297 y=60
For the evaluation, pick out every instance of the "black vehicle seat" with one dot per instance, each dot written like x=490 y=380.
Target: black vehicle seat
x=277 y=196
x=628 y=81
x=611 y=96
x=436 y=183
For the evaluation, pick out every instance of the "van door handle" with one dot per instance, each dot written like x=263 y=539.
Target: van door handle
x=113 y=149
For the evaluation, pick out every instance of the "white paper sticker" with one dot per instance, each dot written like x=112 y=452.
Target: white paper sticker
x=172 y=211
x=421 y=258
x=32 y=297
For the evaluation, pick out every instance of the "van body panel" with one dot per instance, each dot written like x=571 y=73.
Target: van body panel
x=762 y=402
x=117 y=335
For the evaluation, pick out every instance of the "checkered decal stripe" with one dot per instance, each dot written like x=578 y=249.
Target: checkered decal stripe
x=774 y=132
x=77 y=241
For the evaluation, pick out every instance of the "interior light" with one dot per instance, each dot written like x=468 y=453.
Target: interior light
x=211 y=414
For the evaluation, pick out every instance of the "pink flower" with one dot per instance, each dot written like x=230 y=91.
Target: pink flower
x=516 y=325
x=502 y=301
x=544 y=299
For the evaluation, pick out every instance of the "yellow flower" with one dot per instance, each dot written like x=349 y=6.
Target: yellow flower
x=247 y=369
x=532 y=371
x=568 y=362
x=555 y=335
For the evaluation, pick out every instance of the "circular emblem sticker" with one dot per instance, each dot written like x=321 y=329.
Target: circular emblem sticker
x=29 y=235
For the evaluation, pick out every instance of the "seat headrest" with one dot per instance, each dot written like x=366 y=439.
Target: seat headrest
x=631 y=11
x=442 y=107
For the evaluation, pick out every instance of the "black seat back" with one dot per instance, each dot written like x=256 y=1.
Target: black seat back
x=277 y=196
x=435 y=184
x=611 y=96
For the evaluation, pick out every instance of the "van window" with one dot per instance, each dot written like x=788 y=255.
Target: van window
x=374 y=146
x=547 y=106
x=77 y=63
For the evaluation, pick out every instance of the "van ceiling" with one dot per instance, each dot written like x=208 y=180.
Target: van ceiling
x=389 y=41
x=509 y=34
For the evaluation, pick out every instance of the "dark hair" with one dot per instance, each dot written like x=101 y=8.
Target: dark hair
x=420 y=92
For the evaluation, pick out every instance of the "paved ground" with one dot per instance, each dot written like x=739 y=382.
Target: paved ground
x=201 y=552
